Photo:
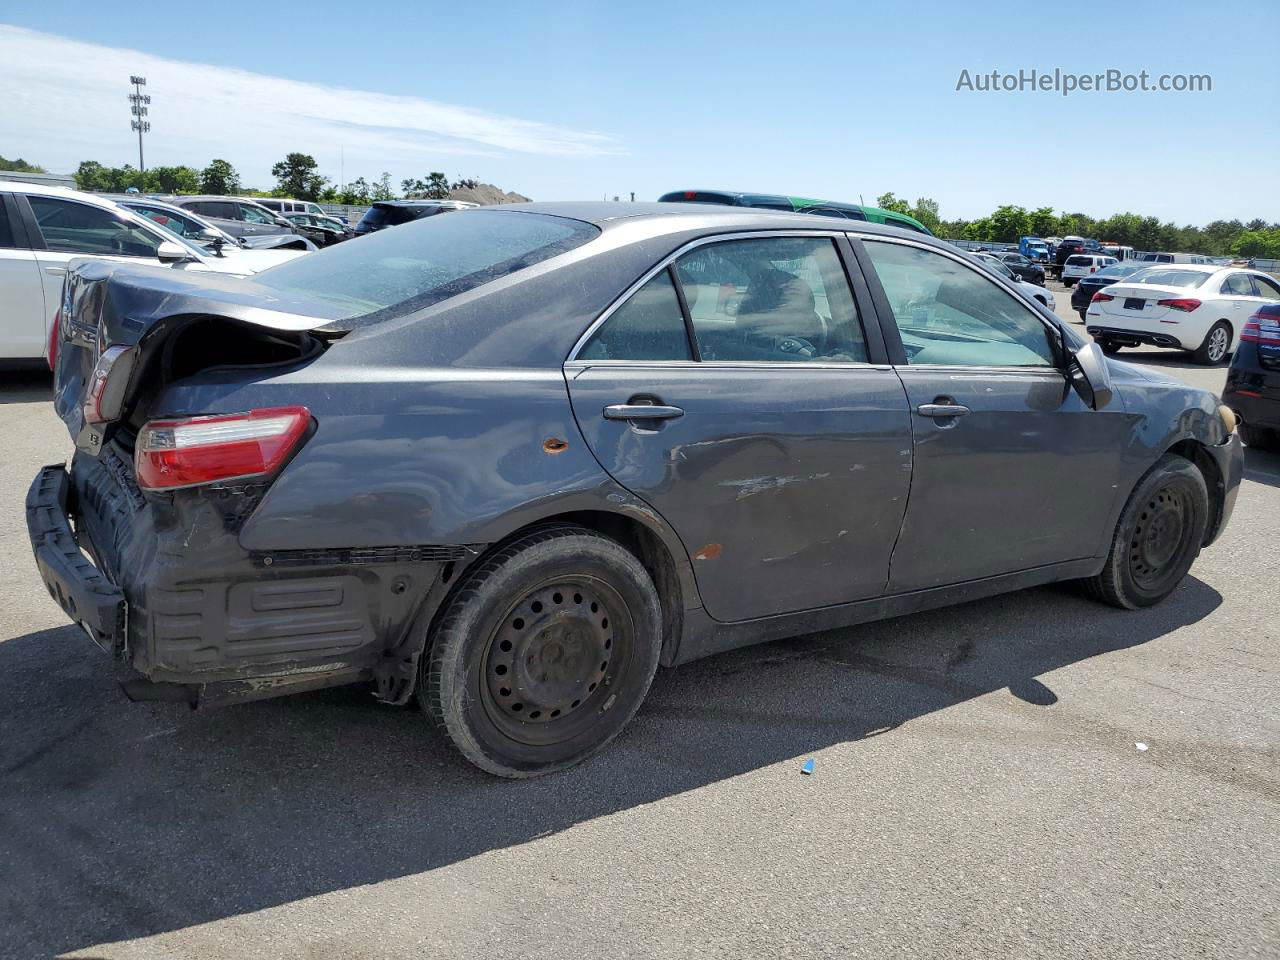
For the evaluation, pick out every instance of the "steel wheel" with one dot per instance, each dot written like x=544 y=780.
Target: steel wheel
x=544 y=651
x=1159 y=537
x=550 y=663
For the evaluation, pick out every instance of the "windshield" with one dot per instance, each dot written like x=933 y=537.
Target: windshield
x=1166 y=277
x=394 y=272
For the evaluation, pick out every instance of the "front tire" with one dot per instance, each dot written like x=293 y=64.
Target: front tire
x=1157 y=538
x=1216 y=345
x=544 y=653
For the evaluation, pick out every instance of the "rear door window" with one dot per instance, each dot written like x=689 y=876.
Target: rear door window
x=1266 y=288
x=771 y=299
x=648 y=326
x=252 y=214
x=71 y=227
x=6 y=230
x=1237 y=285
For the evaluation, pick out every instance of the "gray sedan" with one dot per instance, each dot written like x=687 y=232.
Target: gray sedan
x=512 y=460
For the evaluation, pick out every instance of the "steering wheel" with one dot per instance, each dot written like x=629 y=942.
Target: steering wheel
x=795 y=346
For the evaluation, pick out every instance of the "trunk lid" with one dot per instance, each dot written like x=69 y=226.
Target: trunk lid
x=1128 y=296
x=124 y=332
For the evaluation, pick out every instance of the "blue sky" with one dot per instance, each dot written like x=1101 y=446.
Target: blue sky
x=584 y=99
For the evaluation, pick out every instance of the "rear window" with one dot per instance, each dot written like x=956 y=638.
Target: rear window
x=1166 y=277
x=388 y=215
x=394 y=272
x=1080 y=261
x=903 y=224
x=1116 y=271
x=699 y=196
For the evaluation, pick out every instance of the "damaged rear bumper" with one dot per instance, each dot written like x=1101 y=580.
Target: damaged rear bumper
x=167 y=588
x=75 y=583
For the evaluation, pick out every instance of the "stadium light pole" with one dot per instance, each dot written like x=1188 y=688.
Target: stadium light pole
x=138 y=107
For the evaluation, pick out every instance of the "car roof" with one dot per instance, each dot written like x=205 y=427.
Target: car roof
x=1198 y=267
x=424 y=202
x=39 y=189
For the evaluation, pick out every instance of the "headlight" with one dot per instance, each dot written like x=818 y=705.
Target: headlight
x=1229 y=419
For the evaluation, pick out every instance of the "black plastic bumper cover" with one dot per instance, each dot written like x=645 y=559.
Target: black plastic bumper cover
x=79 y=587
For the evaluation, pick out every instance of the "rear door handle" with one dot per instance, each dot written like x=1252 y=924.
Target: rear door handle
x=942 y=410
x=641 y=411
x=56 y=271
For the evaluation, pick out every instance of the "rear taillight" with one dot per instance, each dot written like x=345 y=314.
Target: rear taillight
x=1093 y=269
x=1261 y=329
x=105 y=392
x=1186 y=305
x=1101 y=297
x=53 y=340
x=196 y=450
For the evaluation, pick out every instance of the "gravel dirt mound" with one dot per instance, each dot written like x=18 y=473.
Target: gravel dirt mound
x=486 y=194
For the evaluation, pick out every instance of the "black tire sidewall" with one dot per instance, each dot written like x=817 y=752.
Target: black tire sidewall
x=460 y=647
x=1201 y=354
x=1170 y=470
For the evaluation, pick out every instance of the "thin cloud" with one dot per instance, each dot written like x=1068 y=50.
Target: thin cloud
x=64 y=101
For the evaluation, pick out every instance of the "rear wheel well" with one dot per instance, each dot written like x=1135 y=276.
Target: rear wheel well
x=633 y=535
x=648 y=547
x=1194 y=451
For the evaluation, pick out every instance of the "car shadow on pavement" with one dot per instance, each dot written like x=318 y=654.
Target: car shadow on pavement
x=1262 y=466
x=25 y=383
x=121 y=820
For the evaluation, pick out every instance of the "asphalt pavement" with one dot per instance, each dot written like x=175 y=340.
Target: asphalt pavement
x=1032 y=775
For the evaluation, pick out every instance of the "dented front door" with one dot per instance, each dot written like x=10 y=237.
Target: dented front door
x=786 y=482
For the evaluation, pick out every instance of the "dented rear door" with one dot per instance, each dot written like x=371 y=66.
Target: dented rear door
x=786 y=485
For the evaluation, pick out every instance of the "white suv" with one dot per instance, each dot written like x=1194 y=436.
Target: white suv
x=42 y=229
x=282 y=207
x=1082 y=264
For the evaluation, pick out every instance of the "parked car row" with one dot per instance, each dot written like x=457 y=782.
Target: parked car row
x=1037 y=292
x=44 y=228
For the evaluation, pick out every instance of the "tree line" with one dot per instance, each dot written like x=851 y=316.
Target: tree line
x=1221 y=238
x=297 y=176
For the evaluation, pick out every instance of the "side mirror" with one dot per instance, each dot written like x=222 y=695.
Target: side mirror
x=170 y=252
x=1090 y=376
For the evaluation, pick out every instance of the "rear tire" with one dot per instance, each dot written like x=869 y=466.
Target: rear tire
x=1157 y=538
x=1259 y=438
x=1216 y=346
x=544 y=653
x=1084 y=318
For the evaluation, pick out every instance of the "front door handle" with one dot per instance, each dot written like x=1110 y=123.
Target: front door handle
x=641 y=411
x=56 y=271
x=942 y=410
